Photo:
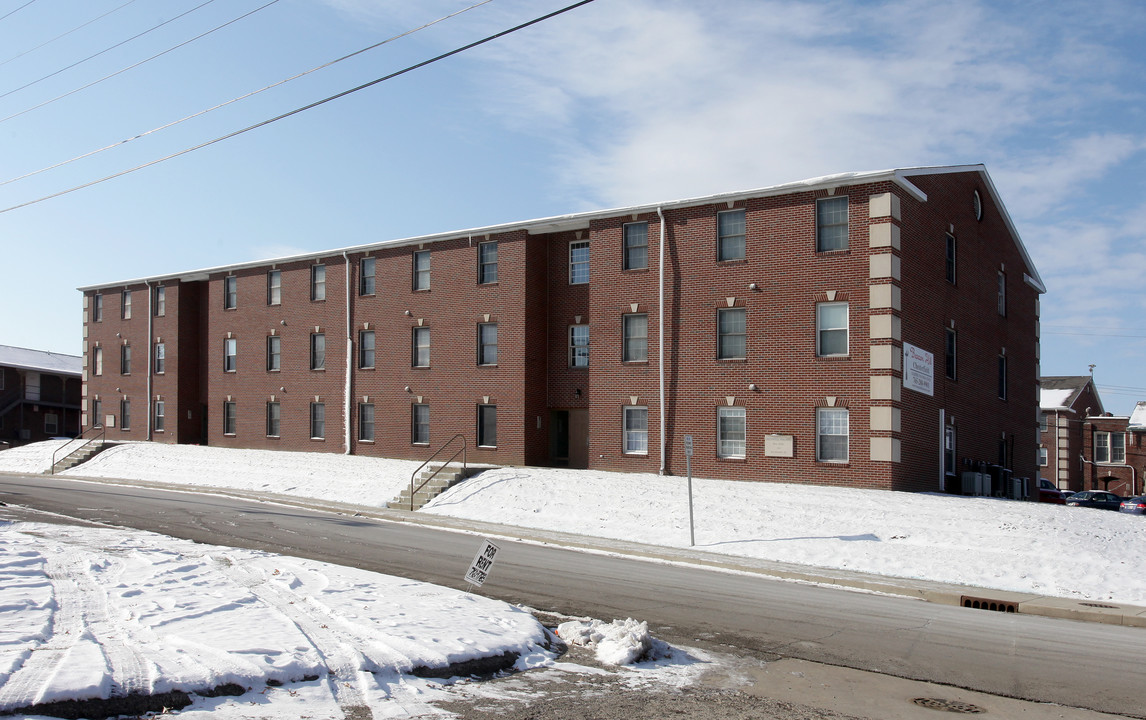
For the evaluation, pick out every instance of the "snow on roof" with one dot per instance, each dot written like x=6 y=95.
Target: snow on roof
x=1138 y=417
x=1054 y=399
x=41 y=361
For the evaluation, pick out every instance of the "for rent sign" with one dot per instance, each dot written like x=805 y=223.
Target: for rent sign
x=918 y=370
x=483 y=562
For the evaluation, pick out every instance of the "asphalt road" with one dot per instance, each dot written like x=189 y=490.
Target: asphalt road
x=1072 y=663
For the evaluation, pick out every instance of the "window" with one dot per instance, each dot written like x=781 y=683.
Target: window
x=1002 y=377
x=1110 y=448
x=317 y=351
x=125 y=414
x=487 y=425
x=831 y=329
x=275 y=287
x=422 y=270
x=420 y=424
x=274 y=353
x=274 y=418
x=1044 y=422
x=421 y=347
x=125 y=359
x=636 y=430
x=732 y=334
x=730 y=432
x=949 y=450
x=51 y=424
x=229 y=418
x=366 y=276
x=160 y=358
x=317 y=421
x=97 y=360
x=949 y=353
x=636 y=246
x=366 y=349
x=951 y=258
x=160 y=301
x=1002 y=293
x=832 y=224
x=730 y=235
x=230 y=353
x=636 y=338
x=97 y=307
x=487 y=263
x=578 y=346
x=318 y=282
x=97 y=413
x=579 y=262
x=160 y=415
x=125 y=307
x=832 y=434
x=1043 y=457
x=487 y=344
x=366 y=422
x=230 y=293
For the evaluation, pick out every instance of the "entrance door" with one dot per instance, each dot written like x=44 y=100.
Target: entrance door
x=559 y=438
x=579 y=439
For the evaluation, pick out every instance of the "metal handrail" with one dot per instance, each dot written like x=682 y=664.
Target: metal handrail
x=89 y=441
x=434 y=474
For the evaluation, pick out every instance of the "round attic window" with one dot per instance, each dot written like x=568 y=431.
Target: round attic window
x=977 y=204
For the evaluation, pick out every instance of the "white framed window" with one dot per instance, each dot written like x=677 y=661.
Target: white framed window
x=274 y=353
x=730 y=235
x=230 y=354
x=97 y=413
x=636 y=338
x=420 y=357
x=51 y=424
x=160 y=358
x=832 y=224
x=274 y=418
x=230 y=292
x=732 y=334
x=420 y=424
x=1002 y=294
x=487 y=426
x=422 y=270
x=366 y=276
x=366 y=422
x=317 y=351
x=730 y=432
x=487 y=344
x=97 y=360
x=125 y=359
x=160 y=301
x=487 y=263
x=579 y=262
x=125 y=307
x=832 y=435
x=636 y=246
x=230 y=418
x=636 y=429
x=317 y=421
x=1044 y=422
x=1110 y=447
x=578 y=346
x=831 y=329
x=125 y=414
x=97 y=307
x=1044 y=460
x=366 y=349
x=318 y=282
x=275 y=287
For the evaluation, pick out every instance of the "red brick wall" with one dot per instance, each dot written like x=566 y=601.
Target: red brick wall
x=1123 y=479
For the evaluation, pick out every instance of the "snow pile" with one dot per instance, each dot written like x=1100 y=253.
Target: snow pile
x=621 y=642
x=34 y=458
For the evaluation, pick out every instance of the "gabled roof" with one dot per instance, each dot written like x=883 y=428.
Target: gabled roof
x=1138 y=418
x=580 y=221
x=1061 y=393
x=41 y=361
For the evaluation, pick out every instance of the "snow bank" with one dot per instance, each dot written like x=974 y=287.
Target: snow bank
x=621 y=642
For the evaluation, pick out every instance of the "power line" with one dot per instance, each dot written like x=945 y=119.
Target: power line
x=304 y=108
x=63 y=35
x=141 y=62
x=241 y=97
x=1083 y=334
x=101 y=52
x=13 y=12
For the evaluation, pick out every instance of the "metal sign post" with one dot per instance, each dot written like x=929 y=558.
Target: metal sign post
x=688 y=466
x=482 y=564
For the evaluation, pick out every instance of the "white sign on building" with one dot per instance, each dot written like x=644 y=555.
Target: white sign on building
x=918 y=370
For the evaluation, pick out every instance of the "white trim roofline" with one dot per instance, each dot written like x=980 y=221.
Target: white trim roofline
x=581 y=221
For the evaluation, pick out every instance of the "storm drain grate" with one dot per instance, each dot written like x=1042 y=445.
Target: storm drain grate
x=987 y=604
x=1100 y=605
x=949 y=706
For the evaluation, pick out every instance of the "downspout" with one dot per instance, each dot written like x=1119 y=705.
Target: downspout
x=661 y=336
x=148 y=356
x=349 y=364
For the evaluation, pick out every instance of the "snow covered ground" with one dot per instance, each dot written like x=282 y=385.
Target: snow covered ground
x=114 y=611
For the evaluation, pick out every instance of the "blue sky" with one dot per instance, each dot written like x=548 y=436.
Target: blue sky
x=615 y=103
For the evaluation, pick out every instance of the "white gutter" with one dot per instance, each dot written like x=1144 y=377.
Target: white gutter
x=147 y=356
x=661 y=336
x=349 y=364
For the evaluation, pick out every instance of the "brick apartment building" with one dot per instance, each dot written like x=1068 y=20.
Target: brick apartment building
x=1064 y=404
x=39 y=395
x=1113 y=452
x=770 y=325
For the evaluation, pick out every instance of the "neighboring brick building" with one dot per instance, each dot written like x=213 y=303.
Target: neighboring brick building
x=1064 y=404
x=39 y=395
x=1113 y=456
x=784 y=315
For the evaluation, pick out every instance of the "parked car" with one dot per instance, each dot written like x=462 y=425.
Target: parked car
x=1048 y=493
x=1095 y=499
x=1134 y=505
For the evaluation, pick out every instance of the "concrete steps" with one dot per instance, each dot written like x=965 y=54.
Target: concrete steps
x=82 y=455
x=446 y=478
